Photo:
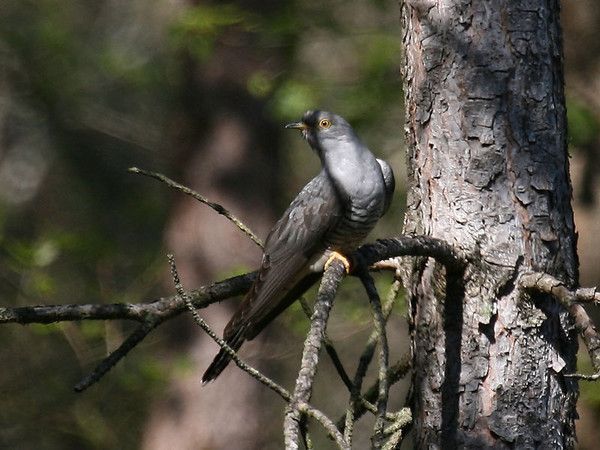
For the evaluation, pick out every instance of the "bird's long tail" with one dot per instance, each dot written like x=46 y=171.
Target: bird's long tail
x=223 y=358
x=246 y=324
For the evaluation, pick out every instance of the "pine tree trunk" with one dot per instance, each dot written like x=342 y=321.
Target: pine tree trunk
x=488 y=172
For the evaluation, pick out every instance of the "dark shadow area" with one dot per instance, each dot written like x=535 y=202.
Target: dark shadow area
x=453 y=326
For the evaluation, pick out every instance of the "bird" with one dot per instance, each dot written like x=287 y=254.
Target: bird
x=328 y=219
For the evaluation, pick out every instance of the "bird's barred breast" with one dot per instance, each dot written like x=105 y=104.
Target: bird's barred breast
x=356 y=223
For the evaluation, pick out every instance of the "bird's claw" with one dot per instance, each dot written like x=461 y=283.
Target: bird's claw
x=335 y=255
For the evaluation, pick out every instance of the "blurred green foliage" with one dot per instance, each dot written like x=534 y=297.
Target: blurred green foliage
x=584 y=126
x=89 y=88
x=199 y=28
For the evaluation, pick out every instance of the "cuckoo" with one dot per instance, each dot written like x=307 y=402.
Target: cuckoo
x=328 y=219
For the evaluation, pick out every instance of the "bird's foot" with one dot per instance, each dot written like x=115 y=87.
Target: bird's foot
x=335 y=255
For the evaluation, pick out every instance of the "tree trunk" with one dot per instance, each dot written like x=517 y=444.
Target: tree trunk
x=488 y=172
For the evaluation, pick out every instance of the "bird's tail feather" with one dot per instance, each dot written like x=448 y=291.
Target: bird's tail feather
x=223 y=358
x=241 y=327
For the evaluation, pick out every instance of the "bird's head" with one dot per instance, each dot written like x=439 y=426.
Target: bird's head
x=323 y=129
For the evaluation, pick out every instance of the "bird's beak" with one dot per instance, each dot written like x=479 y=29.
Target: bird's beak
x=297 y=125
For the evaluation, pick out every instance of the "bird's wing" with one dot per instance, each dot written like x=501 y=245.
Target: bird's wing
x=294 y=240
x=390 y=183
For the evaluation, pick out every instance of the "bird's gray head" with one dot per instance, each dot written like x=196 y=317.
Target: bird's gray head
x=321 y=129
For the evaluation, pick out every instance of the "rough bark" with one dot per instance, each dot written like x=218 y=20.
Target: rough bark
x=488 y=172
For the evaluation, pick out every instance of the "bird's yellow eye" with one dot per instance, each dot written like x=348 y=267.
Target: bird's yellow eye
x=324 y=123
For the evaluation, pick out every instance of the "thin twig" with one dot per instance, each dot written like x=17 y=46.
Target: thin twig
x=395 y=373
x=241 y=364
x=332 y=352
x=364 y=361
x=325 y=421
x=587 y=330
x=150 y=315
x=310 y=356
x=115 y=356
x=220 y=209
x=583 y=376
x=335 y=359
x=306 y=440
x=361 y=402
x=329 y=348
x=379 y=324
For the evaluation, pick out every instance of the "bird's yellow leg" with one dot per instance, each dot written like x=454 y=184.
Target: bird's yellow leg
x=335 y=255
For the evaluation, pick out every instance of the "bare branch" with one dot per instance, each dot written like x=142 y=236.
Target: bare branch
x=356 y=400
x=310 y=356
x=152 y=314
x=163 y=308
x=365 y=404
x=547 y=284
x=330 y=349
x=589 y=334
x=401 y=420
x=379 y=323
x=325 y=421
x=583 y=376
x=204 y=296
x=281 y=391
x=215 y=206
x=241 y=364
x=114 y=357
x=383 y=249
x=395 y=373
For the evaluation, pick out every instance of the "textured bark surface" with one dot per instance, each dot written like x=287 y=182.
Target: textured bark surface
x=488 y=172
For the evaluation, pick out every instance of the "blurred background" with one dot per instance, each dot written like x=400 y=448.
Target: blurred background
x=198 y=91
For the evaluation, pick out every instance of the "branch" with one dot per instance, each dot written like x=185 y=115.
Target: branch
x=149 y=314
x=362 y=402
x=401 y=420
x=325 y=421
x=215 y=206
x=379 y=322
x=114 y=357
x=206 y=295
x=395 y=374
x=547 y=284
x=359 y=401
x=310 y=356
x=356 y=400
x=329 y=348
x=152 y=314
x=163 y=308
x=453 y=259
x=589 y=334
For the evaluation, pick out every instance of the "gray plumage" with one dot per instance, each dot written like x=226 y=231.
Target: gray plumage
x=334 y=212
